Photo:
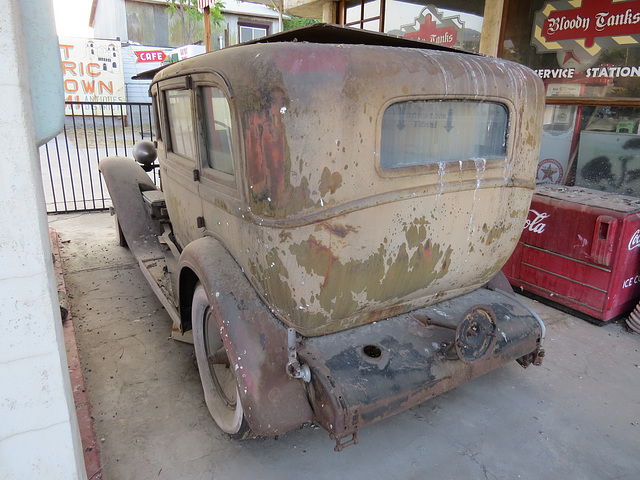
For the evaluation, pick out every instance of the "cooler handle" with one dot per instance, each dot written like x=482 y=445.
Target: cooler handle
x=603 y=240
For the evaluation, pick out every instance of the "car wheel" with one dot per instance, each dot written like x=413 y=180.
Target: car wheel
x=217 y=377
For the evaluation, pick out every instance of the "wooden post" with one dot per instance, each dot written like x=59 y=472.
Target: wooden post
x=207 y=30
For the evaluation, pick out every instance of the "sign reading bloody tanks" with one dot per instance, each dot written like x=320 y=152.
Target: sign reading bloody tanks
x=588 y=26
x=432 y=26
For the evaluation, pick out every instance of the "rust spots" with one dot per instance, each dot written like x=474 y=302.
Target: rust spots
x=221 y=204
x=284 y=236
x=317 y=61
x=519 y=214
x=416 y=233
x=384 y=276
x=329 y=182
x=494 y=233
x=339 y=230
x=269 y=163
x=266 y=149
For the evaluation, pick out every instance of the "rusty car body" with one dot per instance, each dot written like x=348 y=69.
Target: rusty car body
x=335 y=209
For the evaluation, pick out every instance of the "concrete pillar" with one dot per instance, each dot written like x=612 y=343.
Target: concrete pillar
x=491 y=25
x=39 y=435
x=329 y=12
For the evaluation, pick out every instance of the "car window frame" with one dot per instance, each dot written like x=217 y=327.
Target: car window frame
x=173 y=84
x=224 y=182
x=438 y=168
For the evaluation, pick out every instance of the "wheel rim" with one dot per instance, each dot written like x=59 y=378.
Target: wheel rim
x=217 y=376
x=221 y=375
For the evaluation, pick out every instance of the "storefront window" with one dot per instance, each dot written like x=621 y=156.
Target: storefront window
x=364 y=14
x=454 y=24
x=592 y=46
x=588 y=56
x=608 y=150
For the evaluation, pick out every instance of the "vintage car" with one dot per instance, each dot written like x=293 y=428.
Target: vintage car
x=335 y=209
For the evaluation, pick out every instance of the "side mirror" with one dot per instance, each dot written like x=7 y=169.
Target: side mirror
x=145 y=154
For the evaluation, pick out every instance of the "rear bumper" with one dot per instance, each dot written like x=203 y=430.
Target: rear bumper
x=365 y=374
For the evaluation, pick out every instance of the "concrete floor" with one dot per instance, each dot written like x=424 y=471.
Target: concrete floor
x=576 y=417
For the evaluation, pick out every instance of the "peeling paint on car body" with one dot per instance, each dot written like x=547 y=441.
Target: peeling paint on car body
x=314 y=248
x=312 y=160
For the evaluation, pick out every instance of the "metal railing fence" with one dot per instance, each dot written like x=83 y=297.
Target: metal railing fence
x=69 y=162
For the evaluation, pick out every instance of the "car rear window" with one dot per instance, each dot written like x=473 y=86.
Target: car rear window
x=423 y=132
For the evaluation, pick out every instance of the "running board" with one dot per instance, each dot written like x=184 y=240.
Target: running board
x=155 y=271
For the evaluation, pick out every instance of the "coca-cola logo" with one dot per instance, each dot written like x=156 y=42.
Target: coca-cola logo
x=536 y=224
x=635 y=240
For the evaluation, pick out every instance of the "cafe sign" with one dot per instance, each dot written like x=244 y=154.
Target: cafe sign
x=586 y=27
x=149 y=56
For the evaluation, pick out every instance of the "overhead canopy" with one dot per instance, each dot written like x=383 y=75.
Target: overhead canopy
x=330 y=33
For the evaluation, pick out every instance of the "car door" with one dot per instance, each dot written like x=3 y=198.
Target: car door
x=219 y=146
x=179 y=151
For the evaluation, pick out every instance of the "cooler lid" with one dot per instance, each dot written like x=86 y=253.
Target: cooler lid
x=589 y=197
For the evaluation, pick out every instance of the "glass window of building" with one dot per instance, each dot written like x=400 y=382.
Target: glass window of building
x=588 y=56
x=251 y=32
x=455 y=23
x=364 y=14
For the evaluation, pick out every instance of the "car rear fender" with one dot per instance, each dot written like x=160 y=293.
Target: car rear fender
x=255 y=339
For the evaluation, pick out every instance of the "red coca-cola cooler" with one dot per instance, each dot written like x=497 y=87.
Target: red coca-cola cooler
x=580 y=249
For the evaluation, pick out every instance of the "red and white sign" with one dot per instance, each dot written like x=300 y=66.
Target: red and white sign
x=535 y=224
x=92 y=72
x=146 y=56
x=205 y=3
x=550 y=171
x=593 y=20
x=586 y=27
x=635 y=240
x=431 y=26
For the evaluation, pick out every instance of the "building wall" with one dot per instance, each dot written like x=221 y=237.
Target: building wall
x=39 y=435
x=234 y=22
x=110 y=20
x=147 y=24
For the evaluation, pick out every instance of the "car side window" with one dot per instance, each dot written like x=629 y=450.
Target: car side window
x=180 y=122
x=157 y=122
x=218 y=129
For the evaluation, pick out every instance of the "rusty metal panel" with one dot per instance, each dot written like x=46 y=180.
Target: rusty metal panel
x=376 y=370
x=328 y=237
x=255 y=341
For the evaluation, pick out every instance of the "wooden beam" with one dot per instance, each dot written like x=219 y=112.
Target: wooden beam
x=491 y=25
x=595 y=101
x=207 y=30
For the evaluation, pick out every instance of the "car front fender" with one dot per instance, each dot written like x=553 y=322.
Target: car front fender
x=126 y=181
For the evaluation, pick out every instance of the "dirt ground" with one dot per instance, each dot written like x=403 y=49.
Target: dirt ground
x=576 y=417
